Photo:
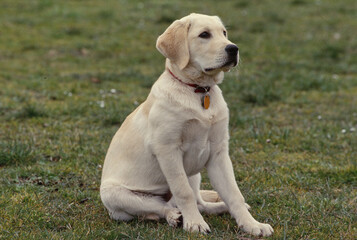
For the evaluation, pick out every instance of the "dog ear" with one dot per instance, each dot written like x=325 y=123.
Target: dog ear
x=173 y=43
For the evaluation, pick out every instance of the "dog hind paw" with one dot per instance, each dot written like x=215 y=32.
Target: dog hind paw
x=174 y=217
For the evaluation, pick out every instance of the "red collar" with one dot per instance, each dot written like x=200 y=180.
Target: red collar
x=198 y=88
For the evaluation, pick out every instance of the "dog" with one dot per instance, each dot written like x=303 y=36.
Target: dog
x=152 y=167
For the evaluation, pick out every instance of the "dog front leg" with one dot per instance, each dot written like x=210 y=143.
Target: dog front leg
x=220 y=172
x=171 y=164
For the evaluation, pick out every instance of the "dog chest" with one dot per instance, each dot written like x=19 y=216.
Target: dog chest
x=195 y=146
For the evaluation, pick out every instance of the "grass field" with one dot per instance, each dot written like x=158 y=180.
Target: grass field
x=71 y=71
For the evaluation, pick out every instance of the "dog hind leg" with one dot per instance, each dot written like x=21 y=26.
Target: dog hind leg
x=207 y=201
x=123 y=204
x=210 y=196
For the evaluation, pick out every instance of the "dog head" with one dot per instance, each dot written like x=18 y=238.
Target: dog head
x=200 y=41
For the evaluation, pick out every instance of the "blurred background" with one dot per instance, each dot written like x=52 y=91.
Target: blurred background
x=72 y=70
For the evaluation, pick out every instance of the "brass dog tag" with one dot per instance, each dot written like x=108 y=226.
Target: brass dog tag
x=206 y=100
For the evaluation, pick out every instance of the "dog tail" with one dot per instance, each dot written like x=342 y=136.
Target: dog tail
x=210 y=196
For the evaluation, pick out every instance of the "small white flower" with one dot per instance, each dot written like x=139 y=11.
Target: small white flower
x=343 y=131
x=101 y=104
x=319 y=117
x=352 y=129
x=268 y=140
x=335 y=76
x=309 y=36
x=113 y=90
x=337 y=36
x=69 y=94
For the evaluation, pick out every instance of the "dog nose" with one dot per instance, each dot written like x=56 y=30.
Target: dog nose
x=231 y=49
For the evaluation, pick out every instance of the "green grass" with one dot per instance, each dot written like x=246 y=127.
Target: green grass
x=293 y=113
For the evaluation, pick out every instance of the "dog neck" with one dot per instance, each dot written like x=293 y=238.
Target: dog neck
x=198 y=88
x=191 y=75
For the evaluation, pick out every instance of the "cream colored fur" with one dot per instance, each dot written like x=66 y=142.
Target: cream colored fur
x=164 y=144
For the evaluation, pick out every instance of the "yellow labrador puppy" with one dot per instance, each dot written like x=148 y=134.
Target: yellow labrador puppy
x=152 y=168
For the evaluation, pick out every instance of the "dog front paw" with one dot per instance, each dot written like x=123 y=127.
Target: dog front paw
x=196 y=226
x=256 y=228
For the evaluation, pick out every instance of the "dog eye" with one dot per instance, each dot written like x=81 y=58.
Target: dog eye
x=225 y=33
x=205 y=35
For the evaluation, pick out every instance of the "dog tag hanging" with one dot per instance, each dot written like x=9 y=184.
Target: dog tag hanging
x=198 y=89
x=206 y=100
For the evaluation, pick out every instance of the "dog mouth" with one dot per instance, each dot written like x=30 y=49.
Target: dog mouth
x=229 y=64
